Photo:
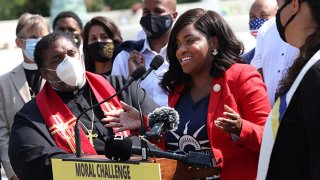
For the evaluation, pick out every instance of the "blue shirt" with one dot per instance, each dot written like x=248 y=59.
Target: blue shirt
x=191 y=134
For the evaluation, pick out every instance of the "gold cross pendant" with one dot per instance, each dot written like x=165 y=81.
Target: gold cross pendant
x=90 y=136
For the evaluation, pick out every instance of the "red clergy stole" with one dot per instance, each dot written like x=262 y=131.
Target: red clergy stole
x=102 y=90
x=60 y=120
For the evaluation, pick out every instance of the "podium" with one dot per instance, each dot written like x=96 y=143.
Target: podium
x=99 y=167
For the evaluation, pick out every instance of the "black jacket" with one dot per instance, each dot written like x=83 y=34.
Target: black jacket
x=296 y=151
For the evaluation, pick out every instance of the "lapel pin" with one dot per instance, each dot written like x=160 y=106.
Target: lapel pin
x=216 y=88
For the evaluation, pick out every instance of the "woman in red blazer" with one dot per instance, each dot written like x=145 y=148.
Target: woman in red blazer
x=222 y=103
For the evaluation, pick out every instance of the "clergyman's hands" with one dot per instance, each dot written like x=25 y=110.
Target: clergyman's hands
x=231 y=123
x=126 y=119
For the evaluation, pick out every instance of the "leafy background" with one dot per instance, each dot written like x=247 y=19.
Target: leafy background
x=12 y=9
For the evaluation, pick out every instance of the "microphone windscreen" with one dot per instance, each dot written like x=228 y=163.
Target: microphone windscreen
x=118 y=148
x=167 y=115
x=138 y=72
x=156 y=62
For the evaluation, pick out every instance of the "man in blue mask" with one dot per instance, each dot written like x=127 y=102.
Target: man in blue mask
x=156 y=21
x=260 y=12
x=20 y=85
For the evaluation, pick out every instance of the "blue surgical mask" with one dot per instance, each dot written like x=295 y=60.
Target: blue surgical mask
x=29 y=49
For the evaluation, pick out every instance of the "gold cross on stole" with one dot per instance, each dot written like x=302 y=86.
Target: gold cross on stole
x=90 y=136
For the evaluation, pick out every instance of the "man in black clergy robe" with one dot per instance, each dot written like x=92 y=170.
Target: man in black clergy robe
x=43 y=128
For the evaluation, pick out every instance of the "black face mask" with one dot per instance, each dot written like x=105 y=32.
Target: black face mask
x=101 y=51
x=155 y=26
x=281 y=29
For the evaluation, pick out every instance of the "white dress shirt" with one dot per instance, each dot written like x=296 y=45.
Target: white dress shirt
x=151 y=83
x=273 y=55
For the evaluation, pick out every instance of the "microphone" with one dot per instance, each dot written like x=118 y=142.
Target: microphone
x=136 y=74
x=118 y=148
x=156 y=62
x=162 y=119
x=192 y=158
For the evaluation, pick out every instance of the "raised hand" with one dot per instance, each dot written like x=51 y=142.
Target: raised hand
x=136 y=59
x=231 y=123
x=125 y=119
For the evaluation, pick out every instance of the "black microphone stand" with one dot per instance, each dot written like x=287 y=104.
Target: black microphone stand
x=142 y=130
x=136 y=74
x=156 y=62
x=77 y=127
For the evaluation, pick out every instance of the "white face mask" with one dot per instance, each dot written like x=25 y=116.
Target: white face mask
x=29 y=49
x=70 y=71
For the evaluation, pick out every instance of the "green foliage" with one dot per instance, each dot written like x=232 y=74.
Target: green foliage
x=126 y=4
x=14 y=8
x=187 y=1
x=95 y=5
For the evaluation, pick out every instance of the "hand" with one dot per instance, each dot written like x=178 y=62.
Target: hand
x=232 y=124
x=126 y=119
x=136 y=59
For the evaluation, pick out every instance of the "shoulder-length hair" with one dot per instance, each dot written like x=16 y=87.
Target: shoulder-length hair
x=109 y=27
x=210 y=24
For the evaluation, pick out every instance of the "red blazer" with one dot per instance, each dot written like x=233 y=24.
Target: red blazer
x=242 y=89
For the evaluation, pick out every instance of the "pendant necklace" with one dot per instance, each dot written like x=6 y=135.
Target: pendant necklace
x=90 y=135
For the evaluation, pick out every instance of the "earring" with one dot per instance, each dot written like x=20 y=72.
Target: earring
x=214 y=52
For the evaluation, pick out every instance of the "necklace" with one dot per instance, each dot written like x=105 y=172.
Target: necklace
x=90 y=135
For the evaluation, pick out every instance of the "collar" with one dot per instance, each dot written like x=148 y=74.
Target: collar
x=29 y=66
x=146 y=47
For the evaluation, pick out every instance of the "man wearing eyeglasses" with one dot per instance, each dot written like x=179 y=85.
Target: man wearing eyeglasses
x=20 y=85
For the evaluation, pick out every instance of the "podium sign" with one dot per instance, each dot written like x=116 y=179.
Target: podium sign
x=83 y=168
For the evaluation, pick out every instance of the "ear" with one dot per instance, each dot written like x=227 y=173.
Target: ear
x=295 y=6
x=174 y=16
x=42 y=73
x=214 y=43
x=20 y=43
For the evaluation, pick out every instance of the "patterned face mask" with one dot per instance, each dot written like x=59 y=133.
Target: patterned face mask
x=255 y=24
x=101 y=51
x=155 y=25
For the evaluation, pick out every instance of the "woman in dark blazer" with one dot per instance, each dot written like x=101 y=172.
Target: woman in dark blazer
x=291 y=146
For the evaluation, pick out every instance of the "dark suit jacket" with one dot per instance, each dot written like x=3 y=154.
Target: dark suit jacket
x=296 y=152
x=31 y=146
x=247 y=57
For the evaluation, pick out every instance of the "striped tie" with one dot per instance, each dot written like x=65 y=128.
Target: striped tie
x=277 y=114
